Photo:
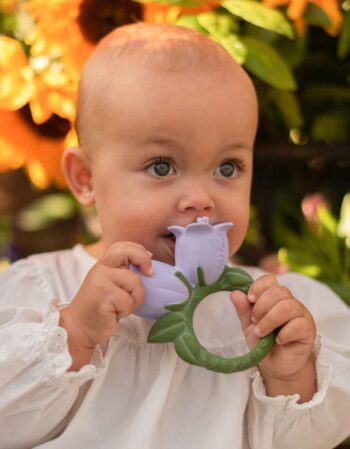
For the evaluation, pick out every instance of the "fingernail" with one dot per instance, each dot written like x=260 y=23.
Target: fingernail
x=149 y=252
x=257 y=331
x=251 y=297
x=149 y=271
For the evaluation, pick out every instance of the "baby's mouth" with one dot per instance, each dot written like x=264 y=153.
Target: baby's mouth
x=170 y=237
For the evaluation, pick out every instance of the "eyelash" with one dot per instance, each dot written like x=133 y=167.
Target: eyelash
x=238 y=163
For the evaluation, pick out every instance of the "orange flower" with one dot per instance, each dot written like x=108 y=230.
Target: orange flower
x=39 y=81
x=155 y=12
x=73 y=27
x=38 y=148
x=296 y=9
x=37 y=91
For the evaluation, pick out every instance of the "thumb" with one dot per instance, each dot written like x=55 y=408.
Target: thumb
x=243 y=308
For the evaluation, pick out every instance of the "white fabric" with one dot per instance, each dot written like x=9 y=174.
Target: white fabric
x=142 y=396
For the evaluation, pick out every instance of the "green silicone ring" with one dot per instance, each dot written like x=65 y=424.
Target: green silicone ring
x=177 y=325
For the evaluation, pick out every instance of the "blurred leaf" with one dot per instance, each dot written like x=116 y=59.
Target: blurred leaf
x=289 y=107
x=304 y=263
x=190 y=22
x=344 y=37
x=327 y=220
x=218 y=23
x=260 y=15
x=264 y=62
x=330 y=127
x=234 y=46
x=319 y=93
x=344 y=221
x=45 y=211
x=316 y=16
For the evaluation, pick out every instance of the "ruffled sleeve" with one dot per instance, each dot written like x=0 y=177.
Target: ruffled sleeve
x=323 y=422
x=36 y=390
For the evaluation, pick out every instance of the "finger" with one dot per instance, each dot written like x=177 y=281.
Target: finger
x=243 y=308
x=259 y=285
x=121 y=303
x=284 y=311
x=302 y=330
x=268 y=299
x=122 y=254
x=131 y=283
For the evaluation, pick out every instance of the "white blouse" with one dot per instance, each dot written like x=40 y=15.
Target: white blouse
x=136 y=395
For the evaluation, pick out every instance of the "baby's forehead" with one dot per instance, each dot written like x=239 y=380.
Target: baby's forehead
x=153 y=50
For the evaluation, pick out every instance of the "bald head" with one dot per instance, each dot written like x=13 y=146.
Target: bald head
x=156 y=48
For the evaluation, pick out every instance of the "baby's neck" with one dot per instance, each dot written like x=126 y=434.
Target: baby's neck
x=95 y=250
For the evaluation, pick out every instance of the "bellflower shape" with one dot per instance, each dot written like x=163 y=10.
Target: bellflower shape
x=197 y=244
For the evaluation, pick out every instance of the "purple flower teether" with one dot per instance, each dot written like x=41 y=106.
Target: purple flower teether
x=197 y=244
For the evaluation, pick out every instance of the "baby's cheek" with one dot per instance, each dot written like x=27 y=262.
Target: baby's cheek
x=236 y=236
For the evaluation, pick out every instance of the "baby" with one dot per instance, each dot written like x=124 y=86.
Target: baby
x=166 y=123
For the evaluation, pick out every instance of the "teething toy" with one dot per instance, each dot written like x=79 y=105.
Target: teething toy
x=201 y=252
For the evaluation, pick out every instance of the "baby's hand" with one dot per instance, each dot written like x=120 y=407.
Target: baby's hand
x=270 y=306
x=109 y=292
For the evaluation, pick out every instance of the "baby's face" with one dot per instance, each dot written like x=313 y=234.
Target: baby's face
x=174 y=147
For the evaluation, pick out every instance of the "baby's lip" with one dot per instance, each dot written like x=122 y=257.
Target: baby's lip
x=169 y=235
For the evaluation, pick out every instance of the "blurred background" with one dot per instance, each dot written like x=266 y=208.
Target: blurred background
x=298 y=55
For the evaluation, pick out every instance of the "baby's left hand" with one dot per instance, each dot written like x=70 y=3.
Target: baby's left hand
x=268 y=306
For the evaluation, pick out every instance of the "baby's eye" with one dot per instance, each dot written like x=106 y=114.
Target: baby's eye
x=228 y=169
x=161 y=168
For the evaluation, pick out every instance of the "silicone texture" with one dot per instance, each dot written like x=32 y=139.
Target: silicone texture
x=201 y=252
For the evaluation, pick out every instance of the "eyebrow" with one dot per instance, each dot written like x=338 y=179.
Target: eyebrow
x=176 y=143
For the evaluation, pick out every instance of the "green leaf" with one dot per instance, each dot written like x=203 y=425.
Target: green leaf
x=289 y=107
x=190 y=22
x=344 y=37
x=187 y=348
x=316 y=16
x=260 y=15
x=327 y=220
x=330 y=127
x=234 y=46
x=45 y=211
x=263 y=61
x=167 y=328
x=344 y=220
x=217 y=23
x=301 y=262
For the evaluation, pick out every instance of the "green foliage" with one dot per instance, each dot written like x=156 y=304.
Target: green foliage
x=280 y=62
x=259 y=15
x=344 y=38
x=322 y=249
x=264 y=61
x=45 y=211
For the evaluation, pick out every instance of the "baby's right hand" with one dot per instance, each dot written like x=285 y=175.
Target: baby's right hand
x=109 y=292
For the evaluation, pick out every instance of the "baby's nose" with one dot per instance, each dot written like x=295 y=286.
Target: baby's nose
x=196 y=199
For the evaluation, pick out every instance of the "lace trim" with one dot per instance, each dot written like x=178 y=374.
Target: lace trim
x=48 y=342
x=324 y=374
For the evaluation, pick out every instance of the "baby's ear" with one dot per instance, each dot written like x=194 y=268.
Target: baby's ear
x=76 y=169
